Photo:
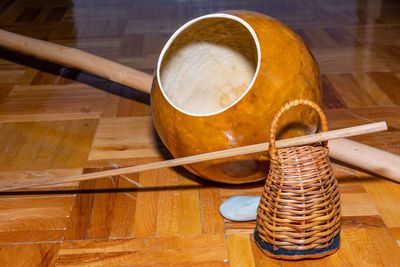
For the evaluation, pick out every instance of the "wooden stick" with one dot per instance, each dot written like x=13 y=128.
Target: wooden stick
x=77 y=59
x=366 y=157
x=319 y=137
x=372 y=157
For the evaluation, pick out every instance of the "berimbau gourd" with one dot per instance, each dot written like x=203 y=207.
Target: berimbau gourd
x=299 y=211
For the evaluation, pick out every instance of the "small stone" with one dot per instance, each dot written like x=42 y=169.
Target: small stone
x=240 y=208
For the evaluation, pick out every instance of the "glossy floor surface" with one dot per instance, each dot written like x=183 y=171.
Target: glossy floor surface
x=56 y=121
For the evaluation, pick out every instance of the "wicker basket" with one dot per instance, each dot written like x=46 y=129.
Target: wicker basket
x=299 y=211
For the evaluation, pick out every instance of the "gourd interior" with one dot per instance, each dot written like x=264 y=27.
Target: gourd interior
x=209 y=65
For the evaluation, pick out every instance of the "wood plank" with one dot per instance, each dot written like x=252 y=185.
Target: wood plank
x=385 y=245
x=46 y=78
x=148 y=243
x=73 y=147
x=362 y=222
x=357 y=247
x=5 y=90
x=80 y=214
x=357 y=204
x=13 y=136
x=43 y=254
x=396 y=233
x=347 y=60
x=179 y=199
x=49 y=117
x=240 y=250
x=121 y=162
x=168 y=205
x=161 y=250
x=389 y=55
x=195 y=264
x=387 y=82
x=124 y=208
x=134 y=139
x=145 y=222
x=212 y=221
x=35 y=207
x=30 y=223
x=330 y=97
x=102 y=210
x=128 y=107
x=141 y=257
x=239 y=227
x=34 y=219
x=361 y=247
x=372 y=89
x=348 y=90
x=260 y=258
x=189 y=206
x=29 y=147
x=254 y=189
x=102 y=214
x=31 y=236
x=111 y=106
x=41 y=145
x=48 y=146
x=28 y=76
x=386 y=196
x=382 y=34
x=9 y=177
x=52 y=99
x=318 y=38
x=341 y=36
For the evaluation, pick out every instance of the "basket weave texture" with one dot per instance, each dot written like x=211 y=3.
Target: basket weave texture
x=300 y=205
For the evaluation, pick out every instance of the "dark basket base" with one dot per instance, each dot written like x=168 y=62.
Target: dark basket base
x=286 y=254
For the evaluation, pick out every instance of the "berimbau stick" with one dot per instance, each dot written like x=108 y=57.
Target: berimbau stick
x=78 y=59
x=319 y=137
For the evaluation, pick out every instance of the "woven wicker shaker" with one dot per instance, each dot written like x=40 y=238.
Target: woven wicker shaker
x=299 y=212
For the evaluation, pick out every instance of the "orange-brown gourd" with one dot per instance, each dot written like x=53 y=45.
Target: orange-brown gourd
x=219 y=81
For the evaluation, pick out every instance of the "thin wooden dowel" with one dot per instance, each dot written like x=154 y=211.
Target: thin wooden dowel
x=319 y=137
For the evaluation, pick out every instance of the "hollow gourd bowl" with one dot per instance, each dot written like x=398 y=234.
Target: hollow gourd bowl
x=220 y=79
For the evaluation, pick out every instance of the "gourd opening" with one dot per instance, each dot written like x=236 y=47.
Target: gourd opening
x=209 y=64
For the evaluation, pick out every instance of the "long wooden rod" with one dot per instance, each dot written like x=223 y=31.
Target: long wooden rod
x=78 y=59
x=319 y=137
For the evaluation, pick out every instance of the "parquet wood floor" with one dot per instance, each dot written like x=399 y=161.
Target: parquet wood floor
x=56 y=121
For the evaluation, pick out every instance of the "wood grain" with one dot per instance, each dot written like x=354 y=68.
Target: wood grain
x=42 y=254
x=134 y=139
x=138 y=251
x=49 y=102
x=102 y=211
x=146 y=205
x=56 y=121
x=123 y=211
x=259 y=257
x=240 y=250
x=386 y=196
x=210 y=200
x=80 y=213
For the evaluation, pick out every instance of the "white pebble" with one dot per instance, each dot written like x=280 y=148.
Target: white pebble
x=240 y=208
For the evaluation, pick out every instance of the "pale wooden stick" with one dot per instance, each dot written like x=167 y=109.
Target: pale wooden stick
x=319 y=137
x=77 y=59
x=366 y=157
